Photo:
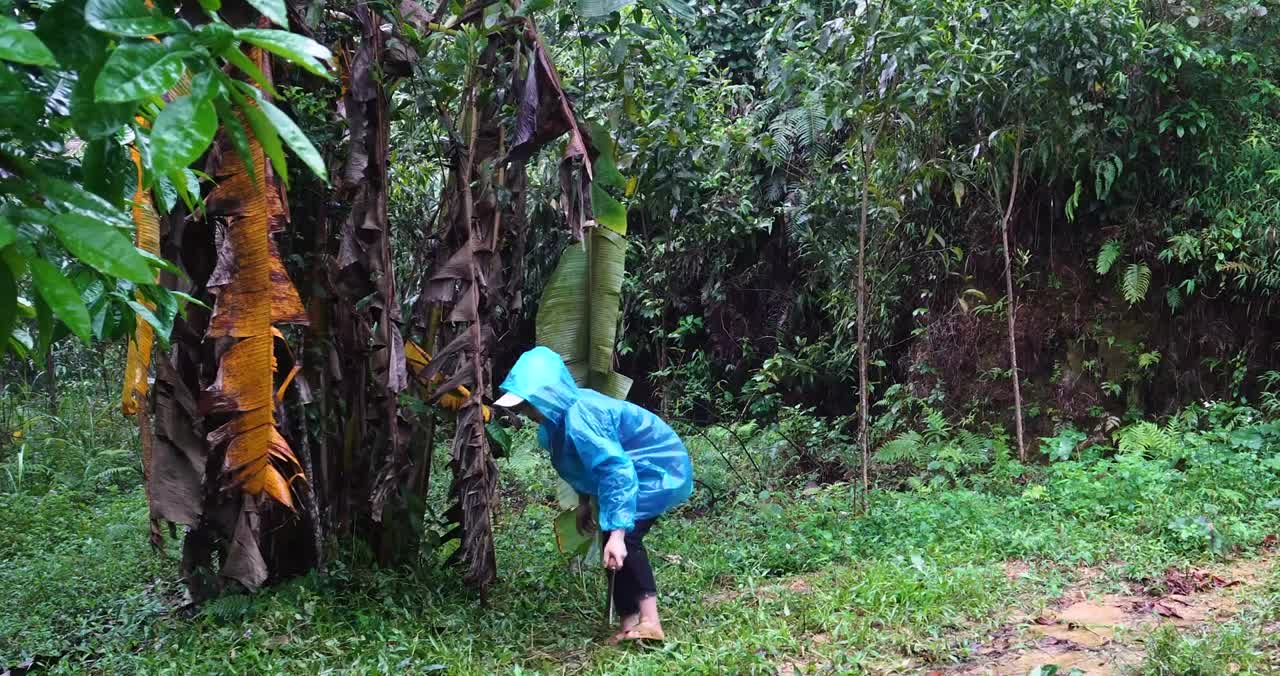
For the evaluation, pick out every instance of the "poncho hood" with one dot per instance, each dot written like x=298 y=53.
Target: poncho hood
x=541 y=378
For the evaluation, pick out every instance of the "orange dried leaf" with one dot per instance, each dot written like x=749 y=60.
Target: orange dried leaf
x=147 y=238
x=252 y=290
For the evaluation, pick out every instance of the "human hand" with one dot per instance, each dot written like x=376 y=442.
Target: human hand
x=615 y=550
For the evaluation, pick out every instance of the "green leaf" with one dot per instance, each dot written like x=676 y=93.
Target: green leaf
x=162 y=315
x=266 y=134
x=566 y=496
x=62 y=297
x=678 y=8
x=246 y=65
x=102 y=248
x=295 y=139
x=578 y=314
x=236 y=132
x=76 y=199
x=106 y=169
x=166 y=194
x=499 y=436
x=299 y=49
x=274 y=10
x=93 y=119
x=1107 y=256
x=139 y=70
x=183 y=130
x=20 y=341
x=568 y=538
x=1137 y=279
x=64 y=30
x=595 y=9
x=605 y=168
x=19 y=45
x=8 y=233
x=127 y=17
x=109 y=320
x=533 y=6
x=608 y=211
x=8 y=305
x=21 y=107
x=188 y=188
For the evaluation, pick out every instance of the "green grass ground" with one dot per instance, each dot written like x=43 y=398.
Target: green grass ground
x=796 y=579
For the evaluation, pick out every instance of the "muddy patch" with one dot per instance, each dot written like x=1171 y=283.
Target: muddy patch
x=1100 y=634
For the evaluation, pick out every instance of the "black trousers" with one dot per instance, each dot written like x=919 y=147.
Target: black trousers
x=634 y=581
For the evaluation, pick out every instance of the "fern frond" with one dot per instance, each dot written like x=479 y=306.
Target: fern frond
x=906 y=447
x=1107 y=256
x=1136 y=282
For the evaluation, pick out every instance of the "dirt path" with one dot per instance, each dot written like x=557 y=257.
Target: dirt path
x=1102 y=634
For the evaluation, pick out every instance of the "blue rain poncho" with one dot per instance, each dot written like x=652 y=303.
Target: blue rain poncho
x=627 y=457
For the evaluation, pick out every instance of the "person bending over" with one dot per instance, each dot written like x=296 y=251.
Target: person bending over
x=631 y=461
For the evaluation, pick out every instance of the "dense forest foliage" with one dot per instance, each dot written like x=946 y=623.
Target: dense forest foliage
x=895 y=243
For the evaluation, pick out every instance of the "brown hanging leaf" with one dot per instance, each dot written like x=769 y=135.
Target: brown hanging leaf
x=251 y=290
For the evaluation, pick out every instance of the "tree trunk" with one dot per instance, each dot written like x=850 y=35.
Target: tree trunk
x=864 y=395
x=1008 y=287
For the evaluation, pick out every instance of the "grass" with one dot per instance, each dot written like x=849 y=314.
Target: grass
x=798 y=576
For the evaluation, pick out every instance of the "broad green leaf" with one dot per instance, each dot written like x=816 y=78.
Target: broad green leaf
x=65 y=32
x=22 y=108
x=93 y=119
x=274 y=10
x=216 y=37
x=205 y=86
x=62 y=297
x=595 y=9
x=605 y=167
x=183 y=130
x=21 y=343
x=608 y=211
x=106 y=169
x=131 y=18
x=578 y=314
x=166 y=194
x=138 y=70
x=295 y=139
x=500 y=437
x=8 y=305
x=299 y=49
x=188 y=188
x=8 y=233
x=76 y=199
x=19 y=45
x=110 y=321
x=568 y=538
x=566 y=496
x=102 y=248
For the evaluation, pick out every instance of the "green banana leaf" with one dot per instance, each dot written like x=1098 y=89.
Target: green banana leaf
x=578 y=316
